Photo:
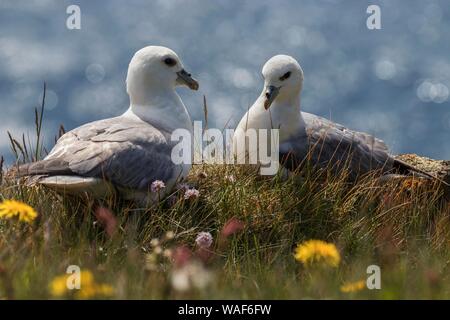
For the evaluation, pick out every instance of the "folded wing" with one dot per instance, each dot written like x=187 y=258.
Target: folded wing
x=330 y=145
x=126 y=152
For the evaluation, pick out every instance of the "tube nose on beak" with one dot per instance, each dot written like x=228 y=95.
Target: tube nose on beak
x=185 y=78
x=270 y=94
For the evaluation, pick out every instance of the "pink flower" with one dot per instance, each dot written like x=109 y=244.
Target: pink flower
x=181 y=256
x=232 y=226
x=157 y=186
x=107 y=220
x=191 y=194
x=204 y=240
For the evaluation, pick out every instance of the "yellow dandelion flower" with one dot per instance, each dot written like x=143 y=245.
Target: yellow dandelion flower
x=317 y=251
x=58 y=286
x=13 y=208
x=94 y=290
x=353 y=286
x=88 y=287
x=104 y=290
x=86 y=278
x=86 y=292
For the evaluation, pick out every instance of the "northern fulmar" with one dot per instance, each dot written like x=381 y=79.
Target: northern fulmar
x=129 y=152
x=307 y=138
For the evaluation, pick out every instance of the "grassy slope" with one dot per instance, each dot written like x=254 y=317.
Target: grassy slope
x=403 y=227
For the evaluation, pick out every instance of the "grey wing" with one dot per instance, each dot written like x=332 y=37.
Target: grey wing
x=330 y=145
x=129 y=153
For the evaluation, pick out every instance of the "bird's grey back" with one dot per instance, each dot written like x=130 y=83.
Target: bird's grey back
x=128 y=152
x=330 y=145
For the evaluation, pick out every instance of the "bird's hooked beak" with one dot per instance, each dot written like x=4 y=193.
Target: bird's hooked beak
x=271 y=93
x=186 y=79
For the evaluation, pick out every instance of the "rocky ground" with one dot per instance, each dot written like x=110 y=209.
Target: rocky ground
x=438 y=168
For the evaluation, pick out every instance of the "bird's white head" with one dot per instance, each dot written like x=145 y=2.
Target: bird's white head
x=283 y=79
x=155 y=67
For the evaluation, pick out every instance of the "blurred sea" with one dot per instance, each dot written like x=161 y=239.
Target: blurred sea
x=393 y=82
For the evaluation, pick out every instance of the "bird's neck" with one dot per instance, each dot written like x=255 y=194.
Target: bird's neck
x=161 y=108
x=285 y=115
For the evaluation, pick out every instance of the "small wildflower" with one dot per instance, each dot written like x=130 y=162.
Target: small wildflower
x=151 y=261
x=58 y=286
x=96 y=290
x=167 y=253
x=204 y=240
x=353 y=286
x=157 y=186
x=89 y=288
x=433 y=278
x=104 y=290
x=313 y=251
x=180 y=280
x=230 y=178
x=192 y=275
x=191 y=194
x=107 y=220
x=151 y=258
x=13 y=208
x=158 y=250
x=154 y=242
x=170 y=235
x=182 y=255
x=232 y=226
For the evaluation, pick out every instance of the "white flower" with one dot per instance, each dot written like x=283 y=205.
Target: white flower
x=154 y=242
x=204 y=240
x=170 y=235
x=230 y=178
x=180 y=280
x=151 y=262
x=167 y=253
x=158 y=250
x=192 y=275
x=157 y=186
x=191 y=193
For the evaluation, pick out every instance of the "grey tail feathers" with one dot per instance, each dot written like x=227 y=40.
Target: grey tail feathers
x=43 y=167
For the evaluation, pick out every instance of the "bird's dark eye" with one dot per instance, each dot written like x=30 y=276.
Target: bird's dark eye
x=170 y=62
x=285 y=76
